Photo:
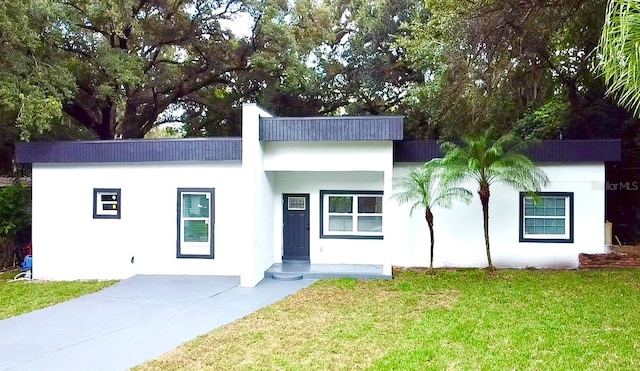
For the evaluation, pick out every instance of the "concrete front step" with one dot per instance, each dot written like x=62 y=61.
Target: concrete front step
x=286 y=276
x=292 y=271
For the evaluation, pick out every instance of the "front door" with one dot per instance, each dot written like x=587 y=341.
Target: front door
x=295 y=227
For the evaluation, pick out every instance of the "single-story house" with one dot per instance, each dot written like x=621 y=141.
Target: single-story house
x=303 y=189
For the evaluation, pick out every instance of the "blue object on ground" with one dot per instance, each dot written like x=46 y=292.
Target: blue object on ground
x=27 y=264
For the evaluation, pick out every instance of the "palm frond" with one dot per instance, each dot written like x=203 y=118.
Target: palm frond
x=484 y=158
x=620 y=53
x=519 y=172
x=415 y=188
x=425 y=187
x=446 y=198
x=454 y=166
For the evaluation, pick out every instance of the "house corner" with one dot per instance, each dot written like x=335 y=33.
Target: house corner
x=258 y=250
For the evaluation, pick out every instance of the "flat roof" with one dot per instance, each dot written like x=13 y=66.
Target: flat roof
x=230 y=149
x=346 y=128
x=597 y=150
x=131 y=150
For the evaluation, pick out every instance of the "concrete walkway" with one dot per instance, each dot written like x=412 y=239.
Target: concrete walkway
x=130 y=322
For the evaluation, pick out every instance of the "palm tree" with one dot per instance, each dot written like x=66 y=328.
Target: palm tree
x=620 y=54
x=486 y=161
x=421 y=187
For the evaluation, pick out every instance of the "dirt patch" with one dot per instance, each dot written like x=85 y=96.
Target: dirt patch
x=627 y=249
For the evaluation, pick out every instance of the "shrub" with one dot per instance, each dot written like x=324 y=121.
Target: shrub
x=15 y=218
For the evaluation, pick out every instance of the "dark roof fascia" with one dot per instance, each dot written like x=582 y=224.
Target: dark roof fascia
x=344 y=128
x=598 y=150
x=130 y=150
x=230 y=149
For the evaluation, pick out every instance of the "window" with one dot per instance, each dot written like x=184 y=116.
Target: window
x=548 y=220
x=351 y=214
x=195 y=223
x=296 y=203
x=106 y=203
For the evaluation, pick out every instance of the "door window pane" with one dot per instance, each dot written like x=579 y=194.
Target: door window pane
x=296 y=203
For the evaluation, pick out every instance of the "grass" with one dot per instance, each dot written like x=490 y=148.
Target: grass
x=25 y=296
x=456 y=320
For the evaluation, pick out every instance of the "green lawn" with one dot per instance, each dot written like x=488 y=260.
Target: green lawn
x=457 y=320
x=26 y=296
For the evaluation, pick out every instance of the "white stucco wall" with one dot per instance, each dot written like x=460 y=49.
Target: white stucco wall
x=69 y=244
x=257 y=227
x=328 y=156
x=459 y=236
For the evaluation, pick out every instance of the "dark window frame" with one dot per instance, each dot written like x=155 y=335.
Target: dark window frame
x=570 y=224
x=323 y=193
x=212 y=198
x=118 y=192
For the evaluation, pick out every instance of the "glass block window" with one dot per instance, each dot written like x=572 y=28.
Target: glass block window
x=547 y=218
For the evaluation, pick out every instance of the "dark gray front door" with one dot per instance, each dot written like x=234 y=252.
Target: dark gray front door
x=295 y=227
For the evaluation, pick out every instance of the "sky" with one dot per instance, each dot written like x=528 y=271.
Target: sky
x=240 y=26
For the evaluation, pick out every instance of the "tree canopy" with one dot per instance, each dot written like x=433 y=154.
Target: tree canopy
x=119 y=68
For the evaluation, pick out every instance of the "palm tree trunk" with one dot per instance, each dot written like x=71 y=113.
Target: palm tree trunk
x=484 y=194
x=428 y=215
